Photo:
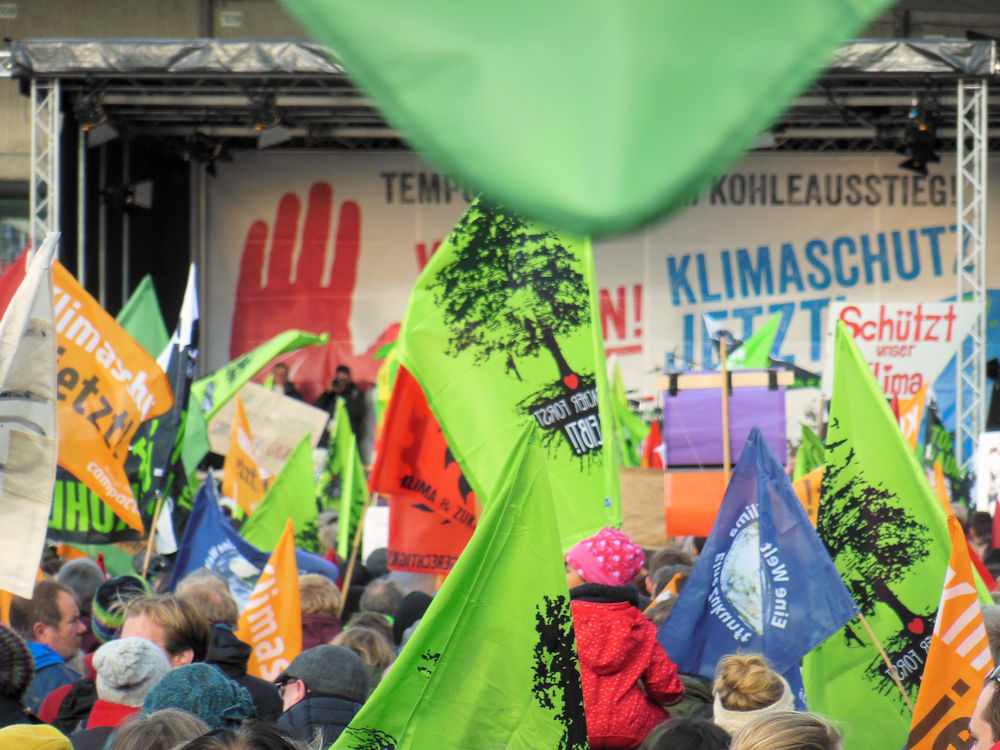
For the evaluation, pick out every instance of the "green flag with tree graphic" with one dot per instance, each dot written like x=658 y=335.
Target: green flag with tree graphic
x=493 y=662
x=503 y=325
x=755 y=352
x=212 y=391
x=292 y=494
x=887 y=535
x=810 y=454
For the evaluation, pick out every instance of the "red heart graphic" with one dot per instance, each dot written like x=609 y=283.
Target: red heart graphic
x=916 y=627
x=571 y=381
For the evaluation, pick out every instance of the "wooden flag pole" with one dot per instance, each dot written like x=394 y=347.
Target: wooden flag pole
x=885 y=658
x=726 y=456
x=345 y=587
x=152 y=533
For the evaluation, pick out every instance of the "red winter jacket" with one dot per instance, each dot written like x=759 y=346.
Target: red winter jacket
x=618 y=651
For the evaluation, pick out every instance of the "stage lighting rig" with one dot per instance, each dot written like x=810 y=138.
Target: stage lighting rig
x=89 y=113
x=920 y=140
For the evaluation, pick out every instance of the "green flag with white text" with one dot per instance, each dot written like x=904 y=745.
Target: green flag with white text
x=493 y=662
x=290 y=495
x=501 y=326
x=212 y=391
x=810 y=455
x=887 y=535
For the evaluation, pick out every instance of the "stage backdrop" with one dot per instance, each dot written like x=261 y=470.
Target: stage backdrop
x=328 y=241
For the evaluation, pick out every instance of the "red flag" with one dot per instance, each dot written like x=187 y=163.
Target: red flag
x=984 y=572
x=12 y=278
x=651 y=457
x=432 y=510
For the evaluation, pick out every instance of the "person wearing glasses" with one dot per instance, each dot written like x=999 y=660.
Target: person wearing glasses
x=322 y=689
x=984 y=726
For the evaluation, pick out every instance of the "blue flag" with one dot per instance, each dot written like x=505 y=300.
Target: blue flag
x=210 y=541
x=763 y=583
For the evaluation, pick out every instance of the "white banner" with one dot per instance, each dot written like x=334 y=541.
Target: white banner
x=907 y=345
x=335 y=242
x=277 y=423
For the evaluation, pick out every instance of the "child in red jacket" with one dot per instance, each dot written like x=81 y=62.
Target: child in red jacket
x=625 y=673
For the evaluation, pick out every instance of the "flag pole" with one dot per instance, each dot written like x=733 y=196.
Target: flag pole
x=726 y=457
x=885 y=658
x=345 y=587
x=152 y=532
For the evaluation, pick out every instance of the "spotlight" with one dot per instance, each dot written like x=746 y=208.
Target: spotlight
x=89 y=112
x=920 y=138
x=263 y=114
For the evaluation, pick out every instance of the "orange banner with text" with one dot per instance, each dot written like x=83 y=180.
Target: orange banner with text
x=107 y=386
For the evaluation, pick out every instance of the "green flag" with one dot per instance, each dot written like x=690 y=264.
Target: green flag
x=503 y=325
x=810 y=455
x=291 y=495
x=142 y=319
x=493 y=662
x=212 y=391
x=630 y=430
x=346 y=463
x=755 y=352
x=568 y=110
x=887 y=535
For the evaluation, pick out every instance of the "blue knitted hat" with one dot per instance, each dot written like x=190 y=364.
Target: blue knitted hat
x=203 y=690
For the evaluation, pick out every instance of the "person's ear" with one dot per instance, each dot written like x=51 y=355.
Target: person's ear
x=38 y=631
x=181 y=658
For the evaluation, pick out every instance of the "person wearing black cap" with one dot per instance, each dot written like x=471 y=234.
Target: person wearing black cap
x=323 y=688
x=17 y=668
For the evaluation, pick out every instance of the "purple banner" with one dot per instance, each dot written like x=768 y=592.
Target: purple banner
x=692 y=424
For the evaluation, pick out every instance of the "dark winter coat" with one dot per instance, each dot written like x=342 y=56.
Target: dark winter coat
x=625 y=673
x=329 y=714
x=14 y=712
x=230 y=654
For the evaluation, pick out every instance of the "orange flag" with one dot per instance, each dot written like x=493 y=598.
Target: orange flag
x=272 y=620
x=107 y=386
x=958 y=660
x=241 y=478
x=911 y=414
x=432 y=509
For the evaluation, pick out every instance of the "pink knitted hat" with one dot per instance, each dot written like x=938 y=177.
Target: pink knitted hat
x=608 y=557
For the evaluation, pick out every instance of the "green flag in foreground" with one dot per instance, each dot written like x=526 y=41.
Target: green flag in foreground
x=502 y=95
x=291 y=495
x=346 y=463
x=493 y=662
x=810 y=455
x=755 y=352
x=212 y=391
x=887 y=535
x=502 y=325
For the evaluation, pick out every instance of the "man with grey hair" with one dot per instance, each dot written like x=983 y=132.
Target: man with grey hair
x=382 y=596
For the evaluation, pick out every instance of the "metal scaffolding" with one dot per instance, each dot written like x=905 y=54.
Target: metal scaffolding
x=46 y=122
x=970 y=373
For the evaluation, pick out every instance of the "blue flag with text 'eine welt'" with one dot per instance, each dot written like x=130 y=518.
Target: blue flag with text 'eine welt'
x=210 y=541
x=764 y=582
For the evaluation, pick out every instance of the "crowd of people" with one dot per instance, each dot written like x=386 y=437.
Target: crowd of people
x=92 y=662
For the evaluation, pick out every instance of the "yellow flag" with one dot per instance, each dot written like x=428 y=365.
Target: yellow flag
x=241 y=477
x=272 y=620
x=911 y=414
x=958 y=660
x=807 y=489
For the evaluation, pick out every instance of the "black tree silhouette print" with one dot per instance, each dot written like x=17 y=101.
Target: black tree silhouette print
x=556 y=683
x=510 y=292
x=874 y=542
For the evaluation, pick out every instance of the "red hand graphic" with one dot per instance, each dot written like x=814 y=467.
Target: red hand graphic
x=278 y=289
